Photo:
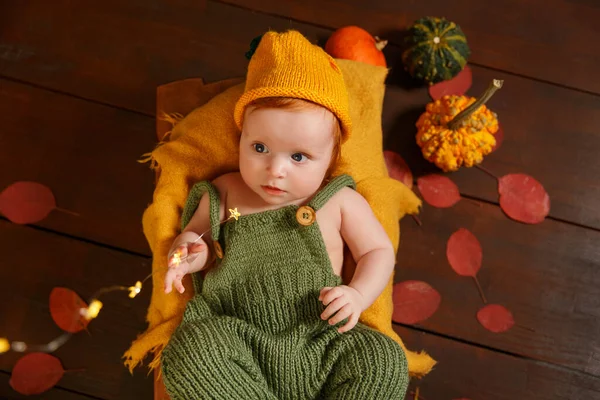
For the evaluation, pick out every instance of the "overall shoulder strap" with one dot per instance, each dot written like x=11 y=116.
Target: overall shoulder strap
x=334 y=186
x=193 y=201
x=189 y=209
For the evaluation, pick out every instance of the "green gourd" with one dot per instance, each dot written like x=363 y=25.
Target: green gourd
x=435 y=50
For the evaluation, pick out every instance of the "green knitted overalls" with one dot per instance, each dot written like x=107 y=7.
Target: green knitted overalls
x=253 y=330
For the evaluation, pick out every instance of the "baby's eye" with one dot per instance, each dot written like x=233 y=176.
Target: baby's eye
x=259 y=148
x=298 y=157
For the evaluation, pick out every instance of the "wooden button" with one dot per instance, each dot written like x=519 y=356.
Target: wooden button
x=218 y=250
x=306 y=215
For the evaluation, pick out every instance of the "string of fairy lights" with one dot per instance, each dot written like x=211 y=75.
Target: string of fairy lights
x=95 y=306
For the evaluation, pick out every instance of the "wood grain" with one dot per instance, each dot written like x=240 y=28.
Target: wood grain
x=465 y=371
x=552 y=133
x=547 y=275
x=34 y=262
x=549 y=42
x=86 y=154
x=56 y=393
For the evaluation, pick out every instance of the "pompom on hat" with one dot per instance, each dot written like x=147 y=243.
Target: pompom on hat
x=288 y=65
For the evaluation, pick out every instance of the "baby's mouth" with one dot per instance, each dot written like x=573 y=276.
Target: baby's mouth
x=274 y=190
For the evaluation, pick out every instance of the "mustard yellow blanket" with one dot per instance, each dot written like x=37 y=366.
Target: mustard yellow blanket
x=204 y=145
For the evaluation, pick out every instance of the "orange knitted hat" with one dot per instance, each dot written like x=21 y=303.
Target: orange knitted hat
x=288 y=65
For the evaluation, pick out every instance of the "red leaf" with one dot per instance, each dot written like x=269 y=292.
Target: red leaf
x=499 y=135
x=26 y=202
x=439 y=191
x=35 y=373
x=64 y=308
x=523 y=198
x=414 y=301
x=464 y=253
x=397 y=168
x=457 y=85
x=495 y=318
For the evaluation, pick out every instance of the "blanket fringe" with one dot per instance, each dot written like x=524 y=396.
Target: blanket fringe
x=149 y=157
x=132 y=362
x=173 y=118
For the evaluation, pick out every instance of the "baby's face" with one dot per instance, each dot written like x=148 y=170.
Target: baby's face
x=285 y=154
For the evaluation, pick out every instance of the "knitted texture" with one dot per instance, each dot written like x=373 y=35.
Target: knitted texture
x=205 y=145
x=254 y=331
x=288 y=65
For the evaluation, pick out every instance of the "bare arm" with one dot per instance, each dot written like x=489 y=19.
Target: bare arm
x=370 y=246
x=374 y=256
x=189 y=244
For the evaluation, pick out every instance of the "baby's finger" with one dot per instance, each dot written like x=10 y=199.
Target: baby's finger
x=350 y=324
x=168 y=283
x=333 y=307
x=323 y=291
x=341 y=315
x=332 y=295
x=197 y=247
x=179 y=285
x=176 y=257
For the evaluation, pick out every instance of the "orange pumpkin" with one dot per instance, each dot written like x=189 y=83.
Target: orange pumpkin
x=354 y=43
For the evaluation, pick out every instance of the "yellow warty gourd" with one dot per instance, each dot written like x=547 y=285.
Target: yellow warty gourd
x=457 y=131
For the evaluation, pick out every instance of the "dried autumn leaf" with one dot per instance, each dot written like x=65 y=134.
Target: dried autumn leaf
x=499 y=136
x=457 y=85
x=495 y=318
x=397 y=168
x=464 y=253
x=26 y=202
x=65 y=306
x=438 y=191
x=414 y=301
x=523 y=198
x=35 y=373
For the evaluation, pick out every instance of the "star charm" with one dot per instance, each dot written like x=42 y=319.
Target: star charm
x=234 y=213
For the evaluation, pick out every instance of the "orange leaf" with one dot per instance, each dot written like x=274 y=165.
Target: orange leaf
x=414 y=301
x=438 y=190
x=464 y=253
x=495 y=318
x=65 y=306
x=397 y=168
x=26 y=202
x=456 y=86
x=523 y=198
x=35 y=373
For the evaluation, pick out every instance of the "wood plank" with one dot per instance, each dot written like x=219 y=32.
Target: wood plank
x=550 y=133
x=544 y=125
x=56 y=393
x=546 y=274
x=86 y=153
x=465 y=371
x=62 y=262
x=549 y=42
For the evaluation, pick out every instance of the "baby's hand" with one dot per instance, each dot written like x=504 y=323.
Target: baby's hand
x=179 y=265
x=347 y=301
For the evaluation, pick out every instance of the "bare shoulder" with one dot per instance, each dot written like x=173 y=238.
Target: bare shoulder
x=226 y=182
x=349 y=200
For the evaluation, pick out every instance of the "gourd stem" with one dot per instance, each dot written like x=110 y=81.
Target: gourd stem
x=380 y=44
x=464 y=114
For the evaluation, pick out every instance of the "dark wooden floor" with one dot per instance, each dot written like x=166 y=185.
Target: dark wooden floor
x=77 y=106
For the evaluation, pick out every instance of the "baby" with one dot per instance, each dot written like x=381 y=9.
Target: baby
x=272 y=318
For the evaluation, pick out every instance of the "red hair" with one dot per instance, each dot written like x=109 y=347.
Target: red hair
x=290 y=103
